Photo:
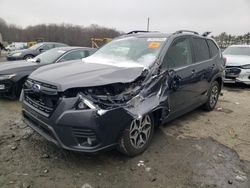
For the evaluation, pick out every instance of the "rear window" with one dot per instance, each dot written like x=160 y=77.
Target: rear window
x=201 y=50
x=213 y=48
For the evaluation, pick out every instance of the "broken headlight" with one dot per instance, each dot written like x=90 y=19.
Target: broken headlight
x=83 y=103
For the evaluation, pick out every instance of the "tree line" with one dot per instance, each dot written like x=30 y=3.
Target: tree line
x=81 y=36
x=74 y=35
x=224 y=40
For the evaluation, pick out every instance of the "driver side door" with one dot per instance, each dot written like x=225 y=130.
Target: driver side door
x=178 y=61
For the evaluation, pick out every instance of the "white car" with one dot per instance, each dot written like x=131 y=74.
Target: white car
x=237 y=59
x=16 y=46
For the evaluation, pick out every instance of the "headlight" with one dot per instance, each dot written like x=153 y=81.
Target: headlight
x=246 y=66
x=7 y=77
x=83 y=104
x=16 y=54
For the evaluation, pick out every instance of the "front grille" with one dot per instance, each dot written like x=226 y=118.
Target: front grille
x=232 y=72
x=44 y=100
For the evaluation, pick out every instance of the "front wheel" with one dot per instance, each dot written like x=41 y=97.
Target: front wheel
x=137 y=136
x=213 y=96
x=27 y=57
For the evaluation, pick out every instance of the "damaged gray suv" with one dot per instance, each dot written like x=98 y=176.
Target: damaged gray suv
x=119 y=95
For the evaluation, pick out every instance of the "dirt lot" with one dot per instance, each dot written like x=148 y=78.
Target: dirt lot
x=200 y=149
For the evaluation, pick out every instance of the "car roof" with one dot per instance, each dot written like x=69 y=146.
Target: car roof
x=69 y=48
x=156 y=34
x=149 y=34
x=241 y=45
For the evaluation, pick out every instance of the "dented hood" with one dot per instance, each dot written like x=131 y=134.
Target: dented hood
x=83 y=74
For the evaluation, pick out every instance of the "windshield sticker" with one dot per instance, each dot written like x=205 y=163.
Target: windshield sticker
x=156 y=39
x=154 y=45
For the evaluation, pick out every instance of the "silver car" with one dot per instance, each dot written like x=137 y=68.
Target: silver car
x=237 y=59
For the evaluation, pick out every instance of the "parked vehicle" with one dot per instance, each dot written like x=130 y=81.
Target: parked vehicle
x=33 y=51
x=117 y=96
x=16 y=46
x=237 y=64
x=14 y=74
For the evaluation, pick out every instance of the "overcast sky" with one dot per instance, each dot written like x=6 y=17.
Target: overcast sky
x=232 y=16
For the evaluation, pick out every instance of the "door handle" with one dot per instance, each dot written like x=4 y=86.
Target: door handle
x=193 y=73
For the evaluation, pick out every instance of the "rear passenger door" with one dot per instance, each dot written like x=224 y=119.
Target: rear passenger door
x=179 y=62
x=204 y=66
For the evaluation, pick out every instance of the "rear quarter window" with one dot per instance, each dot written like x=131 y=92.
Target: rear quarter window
x=214 y=50
x=201 y=49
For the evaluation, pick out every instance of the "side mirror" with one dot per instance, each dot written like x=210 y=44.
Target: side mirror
x=41 y=50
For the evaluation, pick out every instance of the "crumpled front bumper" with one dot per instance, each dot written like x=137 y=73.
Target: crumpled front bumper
x=242 y=77
x=70 y=128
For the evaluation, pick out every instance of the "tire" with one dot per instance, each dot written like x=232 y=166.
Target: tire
x=213 y=96
x=28 y=57
x=137 y=136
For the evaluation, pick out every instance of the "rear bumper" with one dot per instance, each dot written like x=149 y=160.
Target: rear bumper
x=71 y=129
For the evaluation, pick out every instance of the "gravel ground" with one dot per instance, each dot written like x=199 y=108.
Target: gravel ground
x=200 y=149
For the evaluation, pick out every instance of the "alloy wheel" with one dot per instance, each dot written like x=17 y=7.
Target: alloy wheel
x=214 y=96
x=140 y=130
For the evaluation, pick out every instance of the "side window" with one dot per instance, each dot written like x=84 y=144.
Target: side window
x=91 y=52
x=47 y=46
x=201 y=50
x=179 y=54
x=74 y=55
x=213 y=48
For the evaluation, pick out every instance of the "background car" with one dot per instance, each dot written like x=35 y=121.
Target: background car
x=14 y=74
x=16 y=46
x=237 y=64
x=32 y=51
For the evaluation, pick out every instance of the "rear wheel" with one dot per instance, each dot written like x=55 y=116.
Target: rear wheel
x=137 y=136
x=213 y=96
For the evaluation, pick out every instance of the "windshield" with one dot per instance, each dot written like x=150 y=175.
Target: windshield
x=237 y=51
x=49 y=56
x=131 y=50
x=36 y=46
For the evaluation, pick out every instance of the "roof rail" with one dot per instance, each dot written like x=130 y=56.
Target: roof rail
x=205 y=34
x=137 y=31
x=186 y=31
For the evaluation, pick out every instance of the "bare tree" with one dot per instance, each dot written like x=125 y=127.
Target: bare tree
x=70 y=34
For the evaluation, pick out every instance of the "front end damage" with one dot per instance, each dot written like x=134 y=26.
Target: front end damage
x=90 y=119
x=93 y=118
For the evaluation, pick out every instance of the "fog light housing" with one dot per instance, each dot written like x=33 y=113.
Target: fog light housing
x=91 y=141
